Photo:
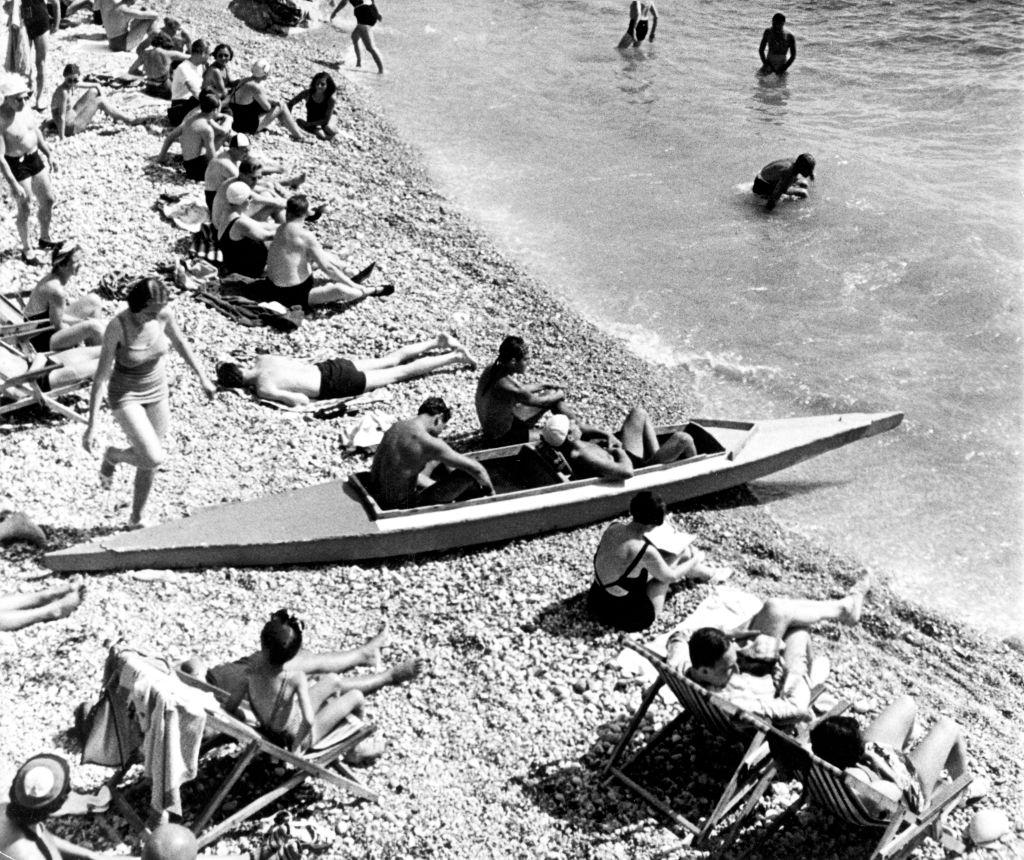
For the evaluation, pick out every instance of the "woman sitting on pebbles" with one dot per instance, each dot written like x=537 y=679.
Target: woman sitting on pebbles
x=293 y=712
x=320 y=105
x=295 y=383
x=632 y=576
x=132 y=365
x=254 y=111
x=48 y=301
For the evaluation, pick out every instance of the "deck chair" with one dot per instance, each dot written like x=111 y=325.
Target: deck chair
x=13 y=325
x=21 y=387
x=720 y=719
x=844 y=796
x=222 y=727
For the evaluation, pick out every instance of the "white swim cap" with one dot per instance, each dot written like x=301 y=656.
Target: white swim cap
x=556 y=430
x=238 y=193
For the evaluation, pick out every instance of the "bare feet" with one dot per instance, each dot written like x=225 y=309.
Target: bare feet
x=19 y=527
x=375 y=645
x=450 y=343
x=852 y=608
x=63 y=607
x=406 y=671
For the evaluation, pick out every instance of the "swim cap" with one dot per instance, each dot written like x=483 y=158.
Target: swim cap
x=238 y=193
x=556 y=430
x=41 y=784
x=260 y=69
x=238 y=141
x=12 y=84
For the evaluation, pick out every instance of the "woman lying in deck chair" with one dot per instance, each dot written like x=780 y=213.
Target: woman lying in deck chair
x=295 y=712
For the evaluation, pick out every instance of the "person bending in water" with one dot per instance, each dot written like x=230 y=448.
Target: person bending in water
x=643 y=21
x=785 y=177
x=73 y=117
x=295 y=383
x=777 y=48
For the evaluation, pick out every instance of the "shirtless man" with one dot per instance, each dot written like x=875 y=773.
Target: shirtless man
x=125 y=27
x=776 y=46
x=296 y=383
x=154 y=61
x=639 y=26
x=199 y=135
x=26 y=172
x=785 y=177
x=507 y=408
x=406 y=450
x=224 y=167
x=595 y=453
x=173 y=32
x=73 y=117
x=49 y=302
x=289 y=265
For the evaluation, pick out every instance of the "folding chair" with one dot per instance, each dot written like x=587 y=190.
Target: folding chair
x=221 y=725
x=857 y=803
x=14 y=326
x=21 y=387
x=720 y=719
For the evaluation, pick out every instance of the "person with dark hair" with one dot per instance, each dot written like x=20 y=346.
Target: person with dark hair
x=320 y=103
x=778 y=47
x=643 y=21
x=367 y=15
x=77 y=324
x=187 y=83
x=293 y=712
x=287 y=380
x=254 y=110
x=156 y=61
x=784 y=177
x=405 y=451
x=243 y=240
x=217 y=79
x=507 y=408
x=73 y=117
x=290 y=260
x=131 y=373
x=126 y=28
x=264 y=204
x=175 y=35
x=633 y=574
x=879 y=756
x=199 y=134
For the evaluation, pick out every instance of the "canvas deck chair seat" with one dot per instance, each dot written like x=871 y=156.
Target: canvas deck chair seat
x=116 y=740
x=21 y=386
x=855 y=802
x=13 y=325
x=717 y=717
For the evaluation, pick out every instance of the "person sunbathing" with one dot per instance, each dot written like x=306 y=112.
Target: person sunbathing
x=253 y=109
x=320 y=103
x=18 y=527
x=292 y=711
x=406 y=450
x=879 y=757
x=74 y=324
x=199 y=134
x=295 y=383
x=632 y=575
x=18 y=611
x=773 y=673
x=70 y=366
x=594 y=453
x=73 y=117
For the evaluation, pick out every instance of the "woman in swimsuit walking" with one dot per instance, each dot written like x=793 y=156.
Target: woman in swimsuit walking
x=367 y=14
x=131 y=372
x=632 y=576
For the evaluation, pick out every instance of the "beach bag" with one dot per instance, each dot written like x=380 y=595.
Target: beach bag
x=111 y=734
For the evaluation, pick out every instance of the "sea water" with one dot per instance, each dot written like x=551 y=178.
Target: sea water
x=622 y=179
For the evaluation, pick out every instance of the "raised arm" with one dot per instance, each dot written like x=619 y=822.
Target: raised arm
x=338 y=8
x=184 y=349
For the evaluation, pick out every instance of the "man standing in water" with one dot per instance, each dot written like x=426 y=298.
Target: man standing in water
x=778 y=47
x=643 y=21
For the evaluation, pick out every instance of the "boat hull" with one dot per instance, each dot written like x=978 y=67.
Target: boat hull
x=330 y=522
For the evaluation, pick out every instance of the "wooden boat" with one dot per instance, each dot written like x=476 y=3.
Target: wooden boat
x=340 y=521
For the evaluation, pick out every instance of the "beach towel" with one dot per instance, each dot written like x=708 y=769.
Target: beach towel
x=188 y=212
x=252 y=314
x=366 y=433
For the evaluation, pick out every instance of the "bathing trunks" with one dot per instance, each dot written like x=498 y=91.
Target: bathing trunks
x=290 y=296
x=247 y=117
x=339 y=377
x=25 y=166
x=158 y=88
x=179 y=109
x=195 y=168
x=41 y=340
x=142 y=379
x=630 y=611
x=761 y=187
x=245 y=256
x=36 y=18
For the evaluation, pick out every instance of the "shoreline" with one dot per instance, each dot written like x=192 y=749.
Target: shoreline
x=495 y=751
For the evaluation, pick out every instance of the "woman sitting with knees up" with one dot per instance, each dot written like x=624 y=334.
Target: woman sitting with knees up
x=320 y=103
x=878 y=755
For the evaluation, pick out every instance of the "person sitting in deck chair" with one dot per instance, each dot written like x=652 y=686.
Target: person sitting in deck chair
x=293 y=712
x=295 y=383
x=595 y=453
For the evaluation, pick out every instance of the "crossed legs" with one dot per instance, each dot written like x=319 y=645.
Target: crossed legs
x=22 y=610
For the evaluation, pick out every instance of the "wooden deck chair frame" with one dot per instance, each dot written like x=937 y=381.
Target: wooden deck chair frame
x=14 y=326
x=843 y=796
x=749 y=779
x=24 y=389
x=312 y=764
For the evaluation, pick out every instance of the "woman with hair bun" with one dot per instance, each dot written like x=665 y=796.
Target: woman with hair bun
x=131 y=373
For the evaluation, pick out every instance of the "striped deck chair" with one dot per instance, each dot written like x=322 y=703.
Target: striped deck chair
x=720 y=719
x=21 y=386
x=858 y=804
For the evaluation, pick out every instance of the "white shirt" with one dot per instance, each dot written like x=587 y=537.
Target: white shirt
x=187 y=81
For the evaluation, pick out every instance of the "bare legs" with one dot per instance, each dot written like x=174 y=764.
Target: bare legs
x=76 y=364
x=145 y=426
x=83 y=333
x=639 y=439
x=362 y=33
x=86 y=107
x=412 y=362
x=38 y=186
x=39 y=47
x=780 y=614
x=18 y=611
x=284 y=116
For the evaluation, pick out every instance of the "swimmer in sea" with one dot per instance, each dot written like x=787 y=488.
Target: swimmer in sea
x=784 y=177
x=778 y=47
x=643 y=21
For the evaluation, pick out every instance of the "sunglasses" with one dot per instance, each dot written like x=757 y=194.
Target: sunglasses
x=222 y=56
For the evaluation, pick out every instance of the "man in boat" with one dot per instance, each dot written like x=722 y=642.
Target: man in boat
x=594 y=453
x=778 y=47
x=406 y=450
x=785 y=177
x=295 y=383
x=508 y=408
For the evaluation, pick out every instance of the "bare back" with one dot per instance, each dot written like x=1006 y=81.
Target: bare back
x=288 y=255
x=403 y=453
x=494 y=402
x=280 y=373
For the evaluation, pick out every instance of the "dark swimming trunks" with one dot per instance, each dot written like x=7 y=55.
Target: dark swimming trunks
x=516 y=434
x=245 y=256
x=25 y=166
x=366 y=14
x=339 y=377
x=641 y=29
x=631 y=612
x=157 y=88
x=195 y=168
x=761 y=187
x=209 y=200
x=41 y=340
x=179 y=109
x=247 y=117
x=291 y=296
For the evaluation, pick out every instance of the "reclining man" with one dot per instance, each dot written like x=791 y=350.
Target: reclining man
x=595 y=453
x=295 y=383
x=772 y=675
x=407 y=448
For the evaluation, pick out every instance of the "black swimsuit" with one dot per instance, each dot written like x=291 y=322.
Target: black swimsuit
x=41 y=340
x=366 y=14
x=247 y=117
x=243 y=256
x=631 y=612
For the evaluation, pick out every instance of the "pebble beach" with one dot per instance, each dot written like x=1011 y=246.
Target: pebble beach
x=498 y=749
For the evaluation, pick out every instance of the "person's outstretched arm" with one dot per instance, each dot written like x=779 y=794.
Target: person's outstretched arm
x=442 y=451
x=294 y=100
x=169 y=138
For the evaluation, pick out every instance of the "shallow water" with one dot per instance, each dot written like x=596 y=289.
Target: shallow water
x=622 y=179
